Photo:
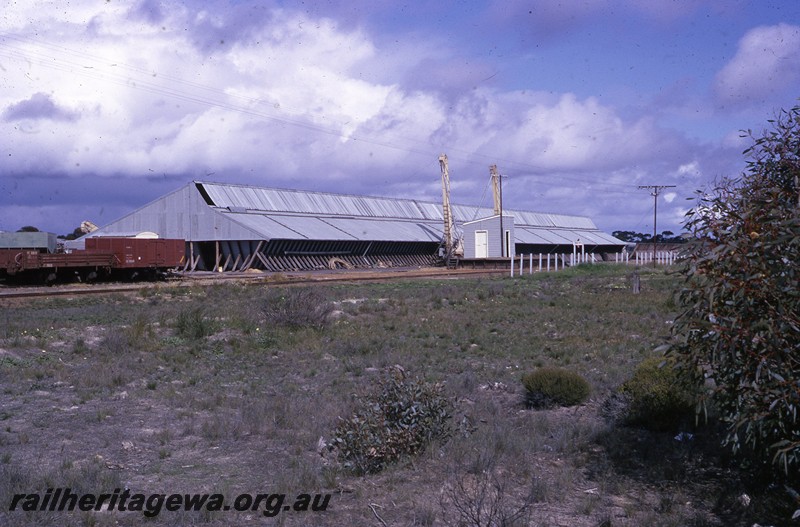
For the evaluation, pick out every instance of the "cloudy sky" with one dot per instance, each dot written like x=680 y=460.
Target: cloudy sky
x=106 y=105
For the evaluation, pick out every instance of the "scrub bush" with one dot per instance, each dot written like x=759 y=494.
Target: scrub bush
x=193 y=324
x=547 y=387
x=297 y=307
x=399 y=419
x=658 y=398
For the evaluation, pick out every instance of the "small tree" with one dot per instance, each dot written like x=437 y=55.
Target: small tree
x=75 y=234
x=400 y=418
x=740 y=322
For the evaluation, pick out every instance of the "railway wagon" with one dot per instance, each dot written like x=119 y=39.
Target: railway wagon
x=138 y=253
x=103 y=257
x=37 y=266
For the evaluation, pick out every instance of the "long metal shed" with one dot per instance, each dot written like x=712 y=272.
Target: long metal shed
x=232 y=227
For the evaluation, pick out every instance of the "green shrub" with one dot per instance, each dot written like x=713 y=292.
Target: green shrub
x=297 y=307
x=740 y=305
x=399 y=419
x=658 y=397
x=548 y=387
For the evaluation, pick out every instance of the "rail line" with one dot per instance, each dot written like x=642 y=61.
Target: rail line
x=270 y=279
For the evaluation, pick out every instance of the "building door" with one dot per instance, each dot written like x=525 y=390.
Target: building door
x=481 y=244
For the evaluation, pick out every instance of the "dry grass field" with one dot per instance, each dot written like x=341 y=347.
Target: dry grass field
x=224 y=389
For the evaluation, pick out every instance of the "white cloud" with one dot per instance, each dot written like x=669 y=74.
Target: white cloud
x=580 y=134
x=766 y=63
x=688 y=169
x=295 y=97
x=290 y=95
x=136 y=85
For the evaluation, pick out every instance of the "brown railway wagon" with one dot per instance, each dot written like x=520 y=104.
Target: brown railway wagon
x=138 y=253
x=81 y=259
x=125 y=258
x=15 y=261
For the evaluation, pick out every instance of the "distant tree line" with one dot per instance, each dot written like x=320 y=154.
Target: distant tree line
x=639 y=237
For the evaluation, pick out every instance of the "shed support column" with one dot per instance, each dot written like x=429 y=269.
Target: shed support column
x=194 y=260
x=267 y=266
x=189 y=259
x=249 y=261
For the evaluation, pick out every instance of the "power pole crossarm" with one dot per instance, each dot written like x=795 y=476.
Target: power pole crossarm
x=655 y=191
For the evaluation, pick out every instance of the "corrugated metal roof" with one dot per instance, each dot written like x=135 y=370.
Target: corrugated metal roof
x=259 y=199
x=387 y=230
x=538 y=219
x=287 y=226
x=535 y=235
x=267 y=227
x=278 y=200
x=601 y=238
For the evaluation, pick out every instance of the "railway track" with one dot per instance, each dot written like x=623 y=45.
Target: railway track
x=274 y=279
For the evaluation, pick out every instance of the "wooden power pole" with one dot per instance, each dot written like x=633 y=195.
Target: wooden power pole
x=655 y=190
